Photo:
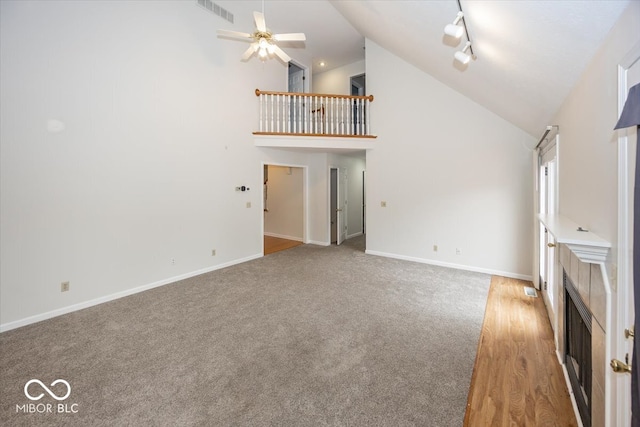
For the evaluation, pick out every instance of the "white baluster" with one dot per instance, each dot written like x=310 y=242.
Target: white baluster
x=284 y=113
x=352 y=117
x=336 y=119
x=368 y=116
x=331 y=116
x=260 y=98
x=342 y=116
x=272 y=124
x=288 y=113
x=320 y=112
x=360 y=117
x=276 y=115
x=296 y=114
x=300 y=116
x=293 y=114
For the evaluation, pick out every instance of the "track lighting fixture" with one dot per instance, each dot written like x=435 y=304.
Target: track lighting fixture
x=455 y=30
x=462 y=56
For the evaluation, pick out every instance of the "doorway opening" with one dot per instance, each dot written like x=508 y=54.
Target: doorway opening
x=338 y=205
x=358 y=85
x=358 y=88
x=284 y=207
x=296 y=78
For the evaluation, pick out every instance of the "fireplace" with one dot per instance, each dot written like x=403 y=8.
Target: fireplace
x=578 y=348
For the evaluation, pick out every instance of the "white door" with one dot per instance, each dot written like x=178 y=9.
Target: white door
x=547 y=205
x=333 y=204
x=550 y=289
x=296 y=78
x=342 y=205
x=296 y=82
x=621 y=345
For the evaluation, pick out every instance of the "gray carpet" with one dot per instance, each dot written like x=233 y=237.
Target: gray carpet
x=311 y=336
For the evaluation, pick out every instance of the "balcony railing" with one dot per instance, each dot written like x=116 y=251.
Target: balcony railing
x=312 y=114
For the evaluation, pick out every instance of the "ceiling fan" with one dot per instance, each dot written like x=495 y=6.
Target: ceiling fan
x=263 y=41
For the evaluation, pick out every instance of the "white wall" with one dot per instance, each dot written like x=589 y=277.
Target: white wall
x=588 y=143
x=588 y=189
x=158 y=113
x=338 y=80
x=452 y=174
x=285 y=201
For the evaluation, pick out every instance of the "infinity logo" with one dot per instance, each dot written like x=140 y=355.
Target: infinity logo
x=52 y=394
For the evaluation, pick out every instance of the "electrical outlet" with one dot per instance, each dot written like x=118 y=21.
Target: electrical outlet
x=383 y=204
x=458 y=251
x=173 y=261
x=248 y=204
x=64 y=286
x=213 y=252
x=435 y=248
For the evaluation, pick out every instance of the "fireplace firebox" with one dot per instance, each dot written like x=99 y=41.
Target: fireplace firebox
x=578 y=348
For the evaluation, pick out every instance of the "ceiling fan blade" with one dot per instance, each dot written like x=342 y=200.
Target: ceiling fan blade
x=260 y=24
x=281 y=54
x=249 y=52
x=289 y=37
x=234 y=34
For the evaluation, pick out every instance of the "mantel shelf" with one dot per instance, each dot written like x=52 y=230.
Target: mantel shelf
x=587 y=246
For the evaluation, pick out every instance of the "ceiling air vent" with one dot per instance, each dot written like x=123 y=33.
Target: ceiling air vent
x=216 y=9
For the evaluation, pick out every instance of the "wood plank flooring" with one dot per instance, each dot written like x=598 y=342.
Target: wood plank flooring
x=276 y=244
x=517 y=379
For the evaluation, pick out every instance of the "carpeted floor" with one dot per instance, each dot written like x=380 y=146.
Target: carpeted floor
x=311 y=336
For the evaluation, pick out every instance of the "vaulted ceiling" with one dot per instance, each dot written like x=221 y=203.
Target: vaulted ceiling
x=529 y=53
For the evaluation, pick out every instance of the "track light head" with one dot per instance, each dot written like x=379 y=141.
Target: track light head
x=462 y=56
x=455 y=30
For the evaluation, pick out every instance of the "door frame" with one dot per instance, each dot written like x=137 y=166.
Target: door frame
x=341 y=217
x=546 y=256
x=353 y=81
x=619 y=412
x=305 y=199
x=306 y=76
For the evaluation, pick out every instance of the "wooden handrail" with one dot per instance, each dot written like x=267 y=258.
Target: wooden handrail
x=264 y=92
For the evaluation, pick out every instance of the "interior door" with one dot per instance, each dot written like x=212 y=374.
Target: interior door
x=342 y=205
x=333 y=204
x=296 y=82
x=547 y=205
x=622 y=342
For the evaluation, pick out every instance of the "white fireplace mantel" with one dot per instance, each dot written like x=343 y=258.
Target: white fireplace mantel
x=587 y=246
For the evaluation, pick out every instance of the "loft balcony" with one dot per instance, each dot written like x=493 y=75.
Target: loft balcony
x=316 y=121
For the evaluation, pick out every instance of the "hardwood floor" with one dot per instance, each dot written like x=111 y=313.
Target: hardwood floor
x=276 y=244
x=517 y=379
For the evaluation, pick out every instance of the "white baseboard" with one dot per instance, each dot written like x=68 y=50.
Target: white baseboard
x=86 y=304
x=452 y=265
x=571 y=395
x=283 y=236
x=319 y=243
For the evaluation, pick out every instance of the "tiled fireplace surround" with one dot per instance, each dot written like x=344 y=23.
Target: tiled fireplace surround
x=585 y=257
x=588 y=280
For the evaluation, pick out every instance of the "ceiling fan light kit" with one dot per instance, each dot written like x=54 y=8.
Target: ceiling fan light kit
x=263 y=41
x=455 y=30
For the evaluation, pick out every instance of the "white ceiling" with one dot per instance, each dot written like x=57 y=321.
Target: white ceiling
x=529 y=53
